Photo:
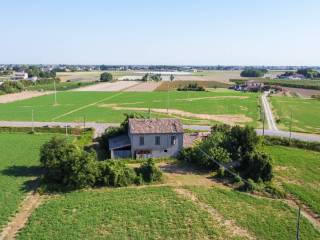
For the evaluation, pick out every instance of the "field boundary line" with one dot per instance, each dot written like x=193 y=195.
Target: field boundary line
x=28 y=205
x=229 y=225
x=86 y=106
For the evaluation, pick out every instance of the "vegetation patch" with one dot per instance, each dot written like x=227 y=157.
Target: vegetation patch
x=19 y=167
x=144 y=213
x=298 y=172
x=301 y=115
x=265 y=218
x=85 y=106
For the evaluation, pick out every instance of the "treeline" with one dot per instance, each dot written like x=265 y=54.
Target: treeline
x=21 y=85
x=253 y=72
x=306 y=72
x=306 y=84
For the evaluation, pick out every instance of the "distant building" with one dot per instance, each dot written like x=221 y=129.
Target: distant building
x=149 y=138
x=253 y=85
x=33 y=79
x=19 y=76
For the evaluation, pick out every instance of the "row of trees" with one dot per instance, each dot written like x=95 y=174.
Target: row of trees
x=191 y=87
x=306 y=72
x=234 y=147
x=70 y=167
x=253 y=72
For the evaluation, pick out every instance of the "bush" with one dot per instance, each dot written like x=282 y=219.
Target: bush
x=114 y=173
x=106 y=77
x=66 y=164
x=275 y=191
x=12 y=87
x=191 y=87
x=271 y=140
x=149 y=172
x=257 y=166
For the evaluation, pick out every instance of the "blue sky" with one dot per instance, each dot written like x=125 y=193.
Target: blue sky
x=199 y=32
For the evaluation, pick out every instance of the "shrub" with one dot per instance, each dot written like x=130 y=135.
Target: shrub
x=114 y=173
x=66 y=164
x=12 y=87
x=149 y=171
x=191 y=87
x=271 y=140
x=257 y=165
x=275 y=191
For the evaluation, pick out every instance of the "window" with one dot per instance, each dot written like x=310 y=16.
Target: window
x=141 y=141
x=157 y=140
x=173 y=140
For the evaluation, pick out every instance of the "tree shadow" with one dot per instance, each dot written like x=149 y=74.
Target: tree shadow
x=22 y=171
x=33 y=172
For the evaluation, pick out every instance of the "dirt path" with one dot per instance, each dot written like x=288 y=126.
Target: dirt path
x=29 y=204
x=144 y=87
x=7 y=98
x=227 y=119
x=229 y=225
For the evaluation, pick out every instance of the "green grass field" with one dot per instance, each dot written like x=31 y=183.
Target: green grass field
x=146 y=213
x=305 y=113
x=265 y=218
x=100 y=106
x=298 y=171
x=159 y=213
x=19 y=158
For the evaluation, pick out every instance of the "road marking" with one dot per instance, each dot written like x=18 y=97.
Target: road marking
x=86 y=106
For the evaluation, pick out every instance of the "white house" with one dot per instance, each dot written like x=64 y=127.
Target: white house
x=19 y=76
x=149 y=138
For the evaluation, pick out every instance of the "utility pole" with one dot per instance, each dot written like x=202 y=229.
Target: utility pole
x=55 y=92
x=66 y=130
x=290 y=126
x=298 y=224
x=32 y=119
x=84 y=123
x=263 y=122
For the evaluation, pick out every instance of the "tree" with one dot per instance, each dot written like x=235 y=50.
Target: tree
x=106 y=77
x=64 y=163
x=257 y=165
x=253 y=72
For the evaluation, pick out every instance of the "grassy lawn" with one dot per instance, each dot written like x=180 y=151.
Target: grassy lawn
x=101 y=106
x=19 y=157
x=298 y=171
x=145 y=213
x=266 y=219
x=305 y=113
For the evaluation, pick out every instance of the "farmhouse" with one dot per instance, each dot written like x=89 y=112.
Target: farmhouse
x=20 y=76
x=148 y=138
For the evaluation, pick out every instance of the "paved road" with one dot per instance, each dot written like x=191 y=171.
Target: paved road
x=268 y=112
x=101 y=127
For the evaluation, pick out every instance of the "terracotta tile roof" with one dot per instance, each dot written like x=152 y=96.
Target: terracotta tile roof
x=163 y=125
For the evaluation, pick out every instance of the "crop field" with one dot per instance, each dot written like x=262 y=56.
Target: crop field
x=305 y=113
x=298 y=171
x=153 y=212
x=144 y=213
x=191 y=107
x=206 y=84
x=264 y=218
x=19 y=156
